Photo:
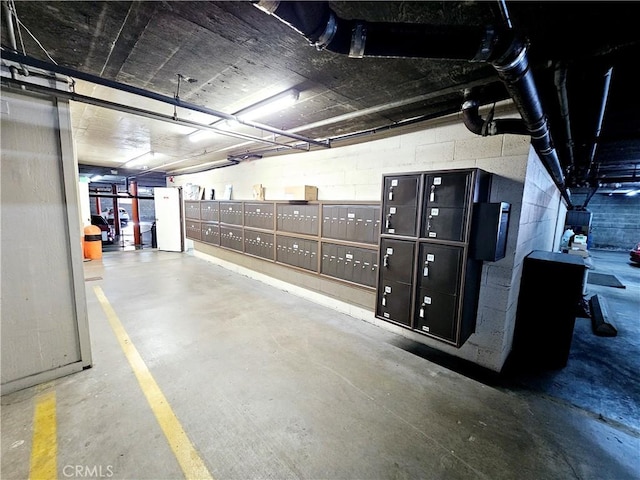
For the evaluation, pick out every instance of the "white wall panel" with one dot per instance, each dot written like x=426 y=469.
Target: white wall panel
x=43 y=318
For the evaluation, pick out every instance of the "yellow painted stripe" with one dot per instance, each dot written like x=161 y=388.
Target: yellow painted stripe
x=186 y=454
x=44 y=448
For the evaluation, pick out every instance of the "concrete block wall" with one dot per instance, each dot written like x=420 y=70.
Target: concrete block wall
x=354 y=172
x=615 y=221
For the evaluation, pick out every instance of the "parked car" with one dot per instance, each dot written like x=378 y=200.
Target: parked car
x=123 y=215
x=105 y=228
x=634 y=254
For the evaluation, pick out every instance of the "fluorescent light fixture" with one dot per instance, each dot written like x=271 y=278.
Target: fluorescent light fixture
x=270 y=105
x=265 y=107
x=632 y=193
x=95 y=178
x=141 y=160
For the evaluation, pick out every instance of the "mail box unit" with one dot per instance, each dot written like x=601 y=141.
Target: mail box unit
x=424 y=252
x=193 y=229
x=395 y=280
x=259 y=244
x=353 y=264
x=259 y=215
x=231 y=213
x=295 y=218
x=400 y=200
x=231 y=237
x=210 y=233
x=297 y=252
x=192 y=209
x=209 y=211
x=353 y=223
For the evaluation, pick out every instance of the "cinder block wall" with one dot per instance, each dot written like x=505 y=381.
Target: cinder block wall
x=615 y=223
x=354 y=172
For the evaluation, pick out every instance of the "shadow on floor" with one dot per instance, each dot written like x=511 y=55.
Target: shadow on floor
x=601 y=375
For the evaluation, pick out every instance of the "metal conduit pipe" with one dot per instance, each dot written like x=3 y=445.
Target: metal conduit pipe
x=560 y=80
x=603 y=106
x=322 y=27
x=8 y=17
x=70 y=72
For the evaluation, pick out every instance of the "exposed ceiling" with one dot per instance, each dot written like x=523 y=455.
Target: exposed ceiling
x=227 y=56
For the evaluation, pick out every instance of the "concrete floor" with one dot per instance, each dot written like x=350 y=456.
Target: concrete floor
x=268 y=385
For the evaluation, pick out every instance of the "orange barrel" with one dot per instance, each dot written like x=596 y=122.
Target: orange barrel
x=92 y=242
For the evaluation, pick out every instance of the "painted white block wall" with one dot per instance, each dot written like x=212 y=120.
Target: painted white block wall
x=355 y=172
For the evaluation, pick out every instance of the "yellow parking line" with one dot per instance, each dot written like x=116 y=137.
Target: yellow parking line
x=186 y=454
x=44 y=449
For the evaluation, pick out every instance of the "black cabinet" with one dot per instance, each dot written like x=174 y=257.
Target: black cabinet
x=428 y=281
x=550 y=292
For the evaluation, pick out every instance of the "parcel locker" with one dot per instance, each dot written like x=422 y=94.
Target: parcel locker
x=440 y=268
x=396 y=260
x=446 y=282
x=401 y=189
x=231 y=213
x=259 y=244
x=436 y=314
x=447 y=189
x=231 y=237
x=211 y=233
x=394 y=301
x=444 y=223
x=400 y=205
x=400 y=220
x=192 y=210
x=209 y=210
x=193 y=229
x=258 y=215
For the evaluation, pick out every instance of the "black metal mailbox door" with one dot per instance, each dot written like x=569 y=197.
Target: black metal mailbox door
x=436 y=314
x=440 y=268
x=394 y=302
x=396 y=260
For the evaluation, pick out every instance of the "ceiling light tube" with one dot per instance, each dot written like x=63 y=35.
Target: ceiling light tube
x=141 y=159
x=270 y=105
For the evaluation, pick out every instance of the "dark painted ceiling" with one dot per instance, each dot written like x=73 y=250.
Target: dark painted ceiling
x=239 y=55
